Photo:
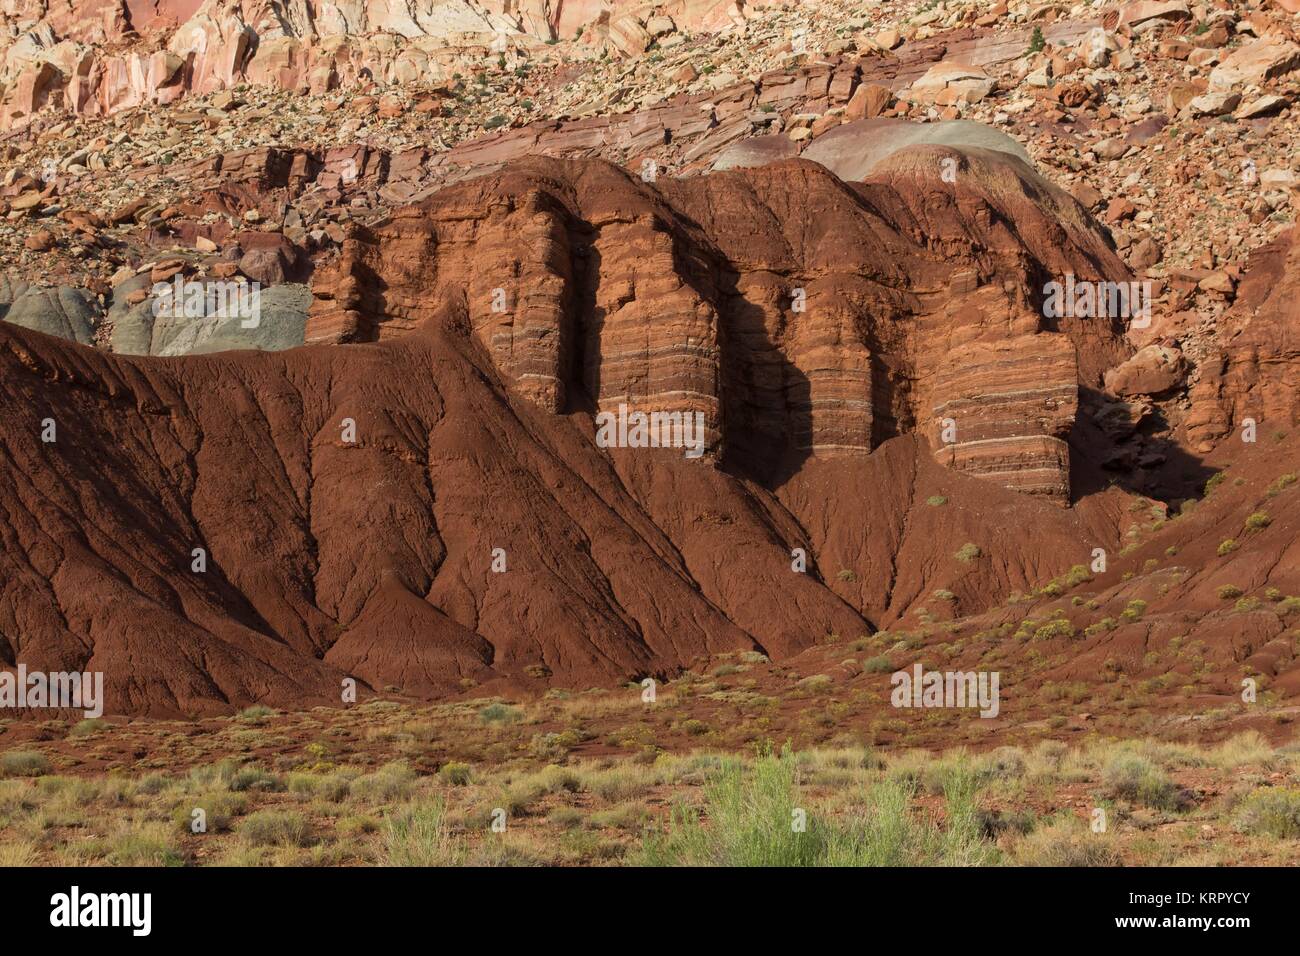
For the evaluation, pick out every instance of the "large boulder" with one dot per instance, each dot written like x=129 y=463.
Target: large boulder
x=946 y=84
x=143 y=328
x=1256 y=62
x=271 y=258
x=278 y=324
x=1154 y=370
x=851 y=151
x=756 y=151
x=62 y=311
x=1153 y=14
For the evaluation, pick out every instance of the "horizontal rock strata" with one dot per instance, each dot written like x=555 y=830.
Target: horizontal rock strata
x=799 y=316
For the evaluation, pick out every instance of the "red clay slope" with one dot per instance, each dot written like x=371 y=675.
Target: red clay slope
x=474 y=431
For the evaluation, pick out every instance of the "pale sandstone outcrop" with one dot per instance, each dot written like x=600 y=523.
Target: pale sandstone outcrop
x=74 y=51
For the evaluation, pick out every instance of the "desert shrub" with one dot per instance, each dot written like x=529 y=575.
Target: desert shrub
x=1100 y=627
x=935 y=501
x=219 y=810
x=218 y=774
x=1283 y=480
x=878 y=665
x=1056 y=628
x=1273 y=812
x=1078 y=574
x=1258 y=521
x=565 y=818
x=23 y=763
x=751 y=813
x=146 y=844
x=957 y=770
x=968 y=552
x=331 y=787
x=553 y=746
x=456 y=774
x=1135 y=609
x=1227 y=546
x=1067 y=842
x=1135 y=778
x=418 y=835
x=89 y=727
x=356 y=825
x=1229 y=591
x=275 y=828
x=499 y=713
x=16 y=852
x=1004 y=763
x=1249 y=747
x=392 y=781
x=254 y=778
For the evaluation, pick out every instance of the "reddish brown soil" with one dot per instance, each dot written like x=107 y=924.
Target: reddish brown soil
x=373 y=559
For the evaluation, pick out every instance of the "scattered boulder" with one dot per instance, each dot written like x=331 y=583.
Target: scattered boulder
x=1113 y=147
x=869 y=100
x=1256 y=62
x=1214 y=103
x=1146 y=252
x=1267 y=105
x=1154 y=370
x=628 y=36
x=1096 y=47
x=42 y=240
x=270 y=258
x=1149 y=15
x=946 y=84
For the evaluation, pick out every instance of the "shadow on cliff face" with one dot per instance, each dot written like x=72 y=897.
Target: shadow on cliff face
x=586 y=322
x=766 y=399
x=374 y=302
x=1130 y=445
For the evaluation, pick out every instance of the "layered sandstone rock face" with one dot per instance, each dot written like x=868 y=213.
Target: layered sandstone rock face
x=800 y=316
x=1255 y=374
x=419 y=500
